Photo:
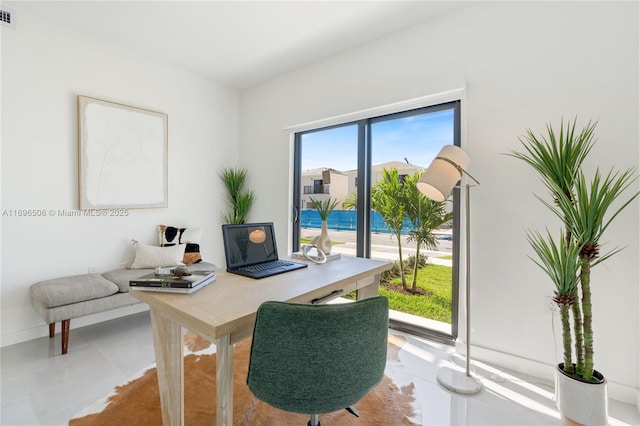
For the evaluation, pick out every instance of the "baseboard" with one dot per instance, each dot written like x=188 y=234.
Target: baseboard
x=43 y=330
x=543 y=371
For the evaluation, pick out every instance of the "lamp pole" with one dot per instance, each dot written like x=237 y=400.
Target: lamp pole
x=467 y=209
x=436 y=182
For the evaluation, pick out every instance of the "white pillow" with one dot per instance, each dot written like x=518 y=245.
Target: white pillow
x=152 y=256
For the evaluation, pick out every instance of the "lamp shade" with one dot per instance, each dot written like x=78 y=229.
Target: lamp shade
x=444 y=172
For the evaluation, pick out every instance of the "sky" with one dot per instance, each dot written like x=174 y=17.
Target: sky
x=417 y=138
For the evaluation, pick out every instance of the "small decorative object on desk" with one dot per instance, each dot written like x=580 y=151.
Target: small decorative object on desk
x=181 y=271
x=310 y=252
x=161 y=271
x=324 y=208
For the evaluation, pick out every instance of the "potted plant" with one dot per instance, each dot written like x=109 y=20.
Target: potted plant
x=324 y=208
x=583 y=207
x=239 y=199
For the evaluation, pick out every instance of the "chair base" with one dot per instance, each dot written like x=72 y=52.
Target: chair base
x=314 y=421
x=353 y=410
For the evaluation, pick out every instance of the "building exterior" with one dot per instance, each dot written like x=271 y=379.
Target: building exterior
x=324 y=183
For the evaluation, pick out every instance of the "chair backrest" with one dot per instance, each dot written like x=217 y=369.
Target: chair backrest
x=318 y=358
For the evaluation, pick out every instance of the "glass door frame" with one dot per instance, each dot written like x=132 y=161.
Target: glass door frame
x=363 y=230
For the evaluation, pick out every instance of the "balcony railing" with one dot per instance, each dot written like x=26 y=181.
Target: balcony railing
x=315 y=189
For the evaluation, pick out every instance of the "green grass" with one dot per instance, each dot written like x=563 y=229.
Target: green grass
x=436 y=304
x=307 y=240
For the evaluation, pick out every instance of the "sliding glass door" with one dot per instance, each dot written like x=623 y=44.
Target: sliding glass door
x=366 y=167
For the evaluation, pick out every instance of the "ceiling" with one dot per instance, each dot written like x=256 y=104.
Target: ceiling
x=237 y=43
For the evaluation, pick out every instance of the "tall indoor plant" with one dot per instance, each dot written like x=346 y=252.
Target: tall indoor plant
x=583 y=207
x=239 y=199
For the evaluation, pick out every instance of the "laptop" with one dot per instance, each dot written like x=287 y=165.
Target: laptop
x=250 y=249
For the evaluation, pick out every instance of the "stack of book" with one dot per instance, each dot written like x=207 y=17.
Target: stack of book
x=172 y=283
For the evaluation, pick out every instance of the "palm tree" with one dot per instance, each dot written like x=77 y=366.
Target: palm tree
x=351 y=202
x=387 y=198
x=426 y=215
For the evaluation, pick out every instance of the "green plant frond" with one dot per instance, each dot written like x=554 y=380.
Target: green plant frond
x=243 y=204
x=324 y=207
x=233 y=179
x=559 y=261
x=605 y=256
x=557 y=158
x=387 y=198
x=239 y=200
x=586 y=214
x=229 y=217
x=351 y=202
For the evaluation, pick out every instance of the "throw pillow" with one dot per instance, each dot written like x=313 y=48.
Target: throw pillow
x=152 y=256
x=171 y=235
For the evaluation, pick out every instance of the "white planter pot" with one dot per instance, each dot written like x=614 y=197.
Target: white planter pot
x=581 y=403
x=324 y=243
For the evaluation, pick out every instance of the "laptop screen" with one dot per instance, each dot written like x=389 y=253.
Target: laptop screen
x=248 y=244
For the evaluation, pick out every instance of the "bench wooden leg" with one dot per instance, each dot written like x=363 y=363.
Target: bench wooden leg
x=52 y=330
x=65 y=335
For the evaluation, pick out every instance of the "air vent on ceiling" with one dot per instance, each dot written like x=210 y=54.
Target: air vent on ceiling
x=7 y=18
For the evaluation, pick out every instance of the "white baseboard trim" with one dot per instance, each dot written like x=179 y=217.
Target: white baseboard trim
x=617 y=391
x=43 y=330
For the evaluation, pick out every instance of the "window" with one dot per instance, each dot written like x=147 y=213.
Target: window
x=346 y=161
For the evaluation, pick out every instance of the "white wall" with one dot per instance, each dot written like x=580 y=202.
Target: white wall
x=43 y=69
x=525 y=64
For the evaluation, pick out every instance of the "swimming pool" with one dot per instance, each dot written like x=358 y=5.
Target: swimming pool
x=345 y=220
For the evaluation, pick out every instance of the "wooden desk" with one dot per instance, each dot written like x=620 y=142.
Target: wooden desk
x=225 y=311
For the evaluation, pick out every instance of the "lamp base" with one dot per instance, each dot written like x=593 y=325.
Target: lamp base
x=456 y=380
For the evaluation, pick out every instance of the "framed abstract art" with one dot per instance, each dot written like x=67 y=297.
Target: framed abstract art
x=122 y=153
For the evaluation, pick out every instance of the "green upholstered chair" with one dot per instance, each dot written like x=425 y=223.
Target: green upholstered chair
x=315 y=359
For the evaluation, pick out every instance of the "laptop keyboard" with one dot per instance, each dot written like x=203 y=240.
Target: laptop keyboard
x=265 y=265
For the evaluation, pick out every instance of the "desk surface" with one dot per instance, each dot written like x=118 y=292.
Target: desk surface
x=241 y=296
x=225 y=311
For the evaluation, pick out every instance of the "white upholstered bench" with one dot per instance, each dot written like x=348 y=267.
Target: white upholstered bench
x=61 y=299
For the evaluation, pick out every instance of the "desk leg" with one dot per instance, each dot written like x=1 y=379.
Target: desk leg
x=168 y=344
x=224 y=380
x=369 y=291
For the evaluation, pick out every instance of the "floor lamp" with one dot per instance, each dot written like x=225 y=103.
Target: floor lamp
x=436 y=183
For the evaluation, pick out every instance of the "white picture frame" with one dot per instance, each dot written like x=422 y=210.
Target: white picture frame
x=122 y=156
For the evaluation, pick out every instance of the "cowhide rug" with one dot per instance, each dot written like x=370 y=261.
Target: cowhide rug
x=137 y=402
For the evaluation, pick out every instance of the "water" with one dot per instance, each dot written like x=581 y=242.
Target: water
x=345 y=220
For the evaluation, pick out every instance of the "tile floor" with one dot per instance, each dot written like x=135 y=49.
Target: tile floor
x=42 y=387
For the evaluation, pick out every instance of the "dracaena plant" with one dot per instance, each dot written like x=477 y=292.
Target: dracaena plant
x=586 y=217
x=583 y=207
x=561 y=263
